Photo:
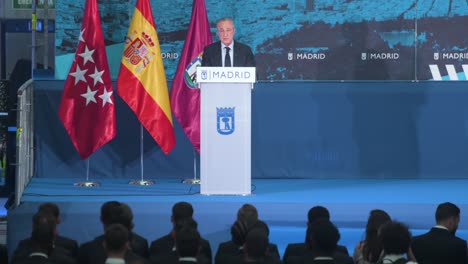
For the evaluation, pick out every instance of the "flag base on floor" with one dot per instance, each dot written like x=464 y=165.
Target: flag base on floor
x=191 y=181
x=141 y=182
x=87 y=184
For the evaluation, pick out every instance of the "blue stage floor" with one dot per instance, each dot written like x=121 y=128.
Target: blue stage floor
x=283 y=204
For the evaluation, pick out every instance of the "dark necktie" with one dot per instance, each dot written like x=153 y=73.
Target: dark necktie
x=227 y=58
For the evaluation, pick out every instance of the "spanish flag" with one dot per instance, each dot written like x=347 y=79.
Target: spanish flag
x=142 y=81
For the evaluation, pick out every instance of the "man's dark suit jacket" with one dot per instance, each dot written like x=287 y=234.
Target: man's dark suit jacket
x=162 y=251
x=439 y=246
x=93 y=252
x=243 y=56
x=302 y=250
x=229 y=249
x=34 y=260
x=65 y=250
x=309 y=259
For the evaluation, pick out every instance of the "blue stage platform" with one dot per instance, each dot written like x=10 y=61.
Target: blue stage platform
x=283 y=204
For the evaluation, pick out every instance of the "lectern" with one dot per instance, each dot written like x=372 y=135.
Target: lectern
x=225 y=120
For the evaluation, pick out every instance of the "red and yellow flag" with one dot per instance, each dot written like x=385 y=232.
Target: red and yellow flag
x=142 y=81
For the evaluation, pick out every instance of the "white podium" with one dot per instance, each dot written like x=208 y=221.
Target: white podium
x=225 y=153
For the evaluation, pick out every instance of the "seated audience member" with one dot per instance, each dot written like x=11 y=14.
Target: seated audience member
x=41 y=242
x=440 y=245
x=234 y=247
x=63 y=247
x=323 y=240
x=116 y=243
x=322 y=237
x=395 y=238
x=164 y=250
x=256 y=248
x=299 y=249
x=370 y=249
x=67 y=245
x=113 y=212
x=247 y=218
x=187 y=241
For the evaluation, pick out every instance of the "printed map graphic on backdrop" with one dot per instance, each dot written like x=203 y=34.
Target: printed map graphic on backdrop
x=302 y=39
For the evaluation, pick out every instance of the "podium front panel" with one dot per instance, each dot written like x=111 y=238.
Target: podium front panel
x=225 y=156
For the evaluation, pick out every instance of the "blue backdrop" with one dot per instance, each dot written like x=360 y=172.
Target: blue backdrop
x=299 y=130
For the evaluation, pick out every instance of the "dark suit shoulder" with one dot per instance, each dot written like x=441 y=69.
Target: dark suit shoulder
x=140 y=245
x=161 y=244
x=92 y=252
x=225 y=251
x=342 y=249
x=66 y=242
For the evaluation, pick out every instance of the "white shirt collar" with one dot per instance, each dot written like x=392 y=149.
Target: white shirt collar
x=115 y=261
x=441 y=227
x=39 y=254
x=191 y=259
x=231 y=46
x=323 y=258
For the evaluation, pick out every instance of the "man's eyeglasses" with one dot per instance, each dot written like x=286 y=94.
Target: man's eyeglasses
x=229 y=30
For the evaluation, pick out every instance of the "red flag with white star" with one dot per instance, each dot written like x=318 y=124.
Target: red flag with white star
x=87 y=107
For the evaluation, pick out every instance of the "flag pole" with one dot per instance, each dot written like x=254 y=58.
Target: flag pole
x=87 y=183
x=142 y=181
x=194 y=180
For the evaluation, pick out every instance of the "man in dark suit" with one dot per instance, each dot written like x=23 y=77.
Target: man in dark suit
x=164 y=250
x=247 y=219
x=299 y=249
x=227 y=52
x=440 y=245
x=323 y=237
x=187 y=241
x=69 y=246
x=256 y=247
x=65 y=249
x=116 y=243
x=113 y=212
x=41 y=242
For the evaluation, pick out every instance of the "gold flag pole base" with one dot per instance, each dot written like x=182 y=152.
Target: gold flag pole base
x=141 y=182
x=191 y=181
x=87 y=184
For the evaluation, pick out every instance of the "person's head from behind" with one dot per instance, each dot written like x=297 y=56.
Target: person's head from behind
x=260 y=225
x=181 y=210
x=238 y=232
x=187 y=222
x=187 y=241
x=317 y=212
x=51 y=208
x=323 y=237
x=448 y=215
x=372 y=246
x=43 y=232
x=395 y=238
x=226 y=30
x=114 y=212
x=42 y=218
x=247 y=214
x=256 y=244
x=116 y=240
